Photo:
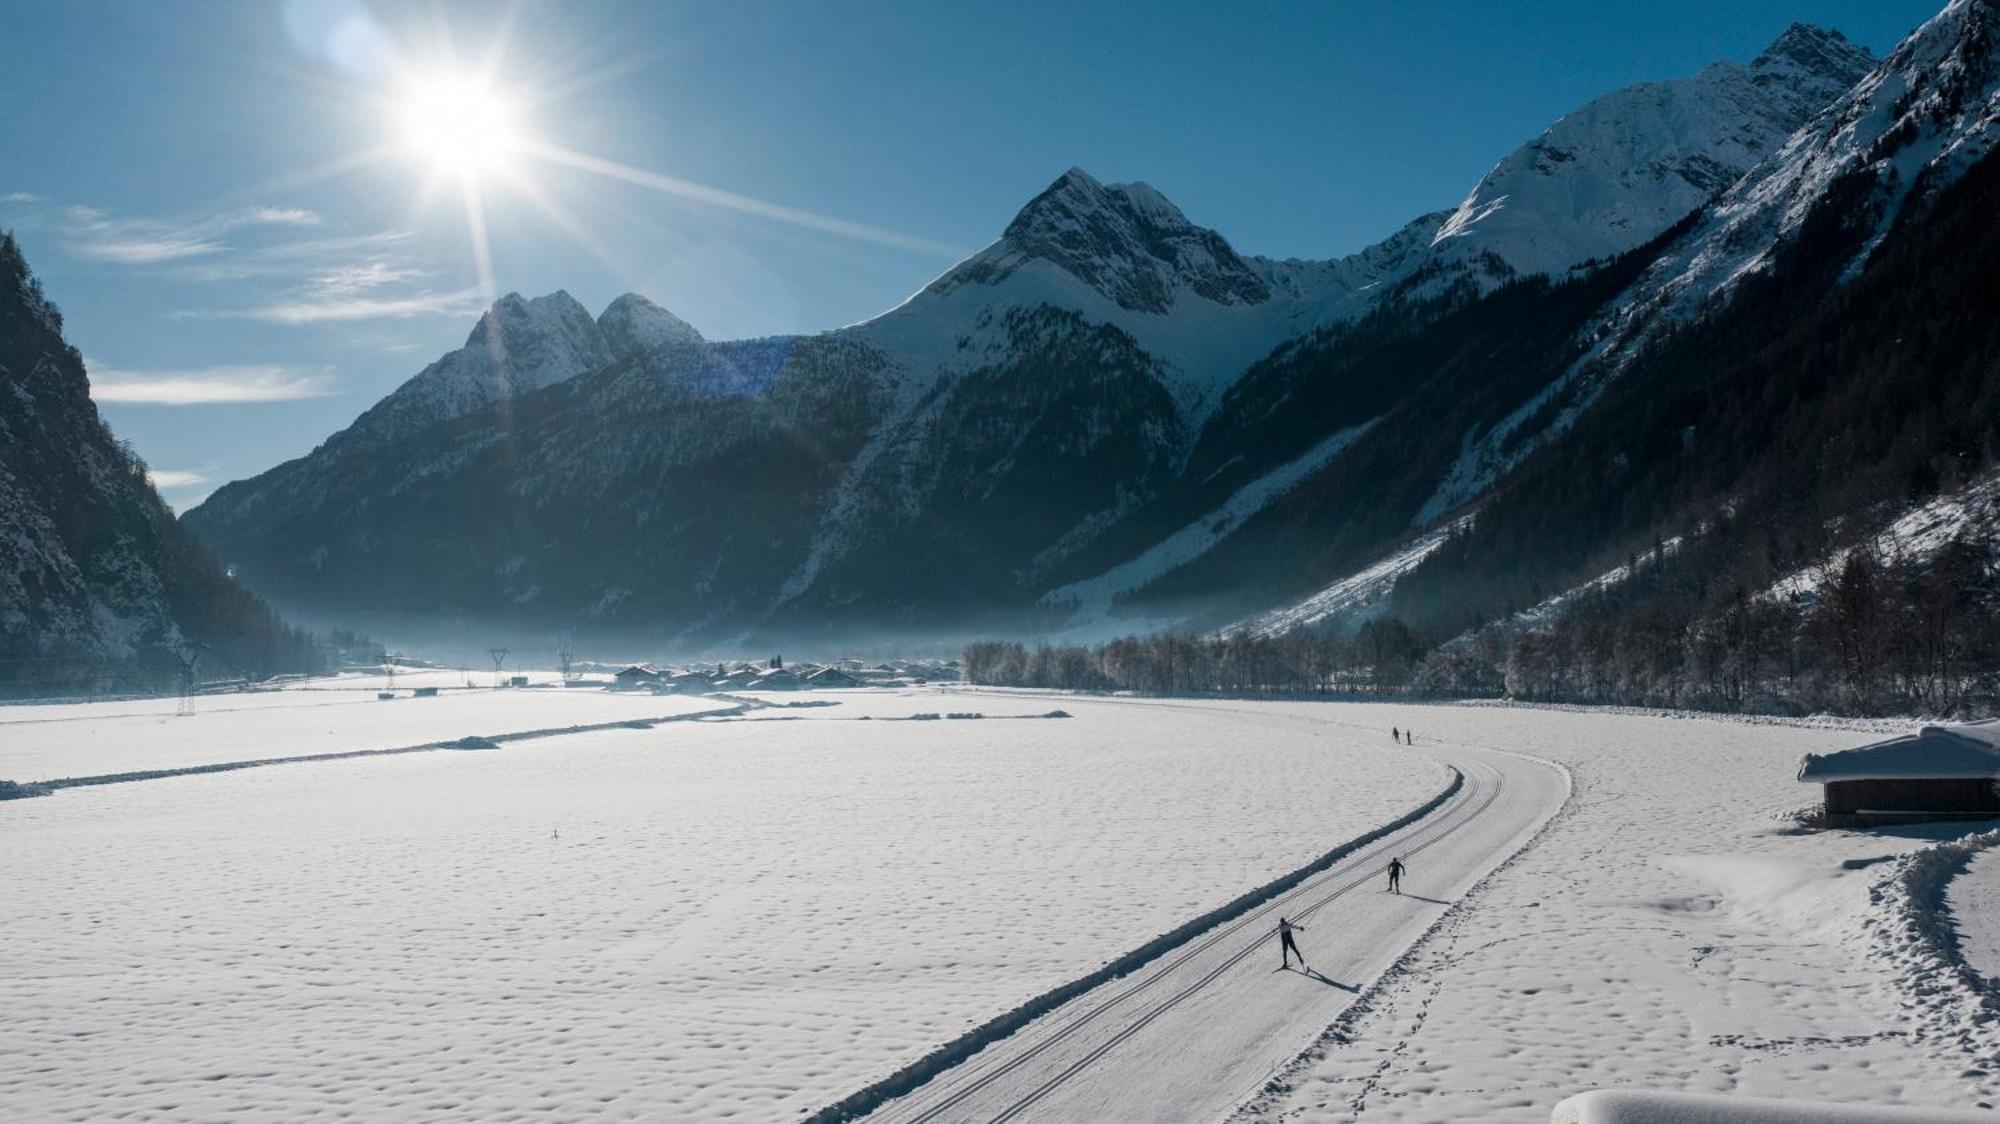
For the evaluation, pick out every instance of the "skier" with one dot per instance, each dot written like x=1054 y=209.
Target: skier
x=1287 y=947
x=1395 y=735
x=1395 y=876
x=1409 y=737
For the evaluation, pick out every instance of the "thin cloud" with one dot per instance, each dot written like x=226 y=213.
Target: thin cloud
x=143 y=251
x=20 y=197
x=323 y=308
x=363 y=277
x=93 y=235
x=176 y=478
x=378 y=251
x=203 y=386
x=337 y=280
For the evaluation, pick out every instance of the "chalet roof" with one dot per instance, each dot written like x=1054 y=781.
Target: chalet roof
x=1956 y=752
x=638 y=670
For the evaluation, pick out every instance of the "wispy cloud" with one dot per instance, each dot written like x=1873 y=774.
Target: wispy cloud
x=20 y=197
x=143 y=251
x=334 y=279
x=324 y=308
x=176 y=478
x=338 y=280
x=364 y=277
x=93 y=235
x=379 y=250
x=201 y=386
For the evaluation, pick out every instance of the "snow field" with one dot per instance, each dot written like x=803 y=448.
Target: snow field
x=42 y=742
x=732 y=919
x=1670 y=931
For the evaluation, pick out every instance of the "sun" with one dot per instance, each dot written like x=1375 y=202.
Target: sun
x=459 y=124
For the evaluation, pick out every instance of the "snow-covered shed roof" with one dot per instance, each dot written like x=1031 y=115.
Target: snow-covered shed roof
x=1966 y=750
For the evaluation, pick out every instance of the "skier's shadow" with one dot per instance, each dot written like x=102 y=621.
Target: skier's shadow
x=1421 y=898
x=1313 y=975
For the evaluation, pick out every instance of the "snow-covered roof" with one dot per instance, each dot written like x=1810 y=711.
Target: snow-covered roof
x=1967 y=750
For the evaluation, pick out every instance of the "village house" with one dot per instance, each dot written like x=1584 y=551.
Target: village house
x=1937 y=773
x=637 y=675
x=689 y=682
x=777 y=679
x=830 y=677
x=736 y=680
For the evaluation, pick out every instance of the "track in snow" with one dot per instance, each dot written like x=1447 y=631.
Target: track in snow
x=1191 y=1034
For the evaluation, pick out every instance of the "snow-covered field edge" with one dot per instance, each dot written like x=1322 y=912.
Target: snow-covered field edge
x=1624 y=1106
x=913 y=1076
x=1270 y=1095
x=1910 y=930
x=732 y=708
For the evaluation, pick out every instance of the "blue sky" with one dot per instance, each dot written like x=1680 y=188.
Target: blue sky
x=168 y=167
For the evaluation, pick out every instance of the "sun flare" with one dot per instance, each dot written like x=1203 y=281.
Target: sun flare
x=459 y=124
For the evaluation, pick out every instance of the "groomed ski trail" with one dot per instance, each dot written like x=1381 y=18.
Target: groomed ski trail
x=1191 y=1033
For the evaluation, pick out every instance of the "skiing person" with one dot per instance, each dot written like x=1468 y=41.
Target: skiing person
x=1395 y=735
x=1409 y=737
x=1287 y=947
x=1395 y=877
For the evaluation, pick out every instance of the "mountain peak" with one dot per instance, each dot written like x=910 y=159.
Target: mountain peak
x=1078 y=178
x=1821 y=49
x=1125 y=240
x=634 y=325
x=1076 y=195
x=1810 y=65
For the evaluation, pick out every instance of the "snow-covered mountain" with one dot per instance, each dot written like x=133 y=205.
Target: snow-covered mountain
x=633 y=325
x=1596 y=184
x=1122 y=255
x=1628 y=165
x=1811 y=358
x=1905 y=130
x=1102 y=398
x=518 y=347
x=1908 y=129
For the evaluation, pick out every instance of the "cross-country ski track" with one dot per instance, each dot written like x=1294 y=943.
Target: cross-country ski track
x=1197 y=1030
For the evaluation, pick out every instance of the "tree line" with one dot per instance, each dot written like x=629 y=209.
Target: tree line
x=1869 y=632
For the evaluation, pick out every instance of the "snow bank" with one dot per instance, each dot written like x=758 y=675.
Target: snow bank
x=1912 y=932
x=1624 y=1107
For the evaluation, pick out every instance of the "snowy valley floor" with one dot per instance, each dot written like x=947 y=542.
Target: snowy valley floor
x=753 y=917
x=1670 y=930
x=737 y=919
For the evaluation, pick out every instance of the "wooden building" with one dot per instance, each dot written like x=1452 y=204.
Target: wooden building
x=637 y=675
x=1937 y=773
x=826 y=677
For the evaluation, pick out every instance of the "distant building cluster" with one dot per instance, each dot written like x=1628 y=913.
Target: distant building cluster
x=704 y=679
